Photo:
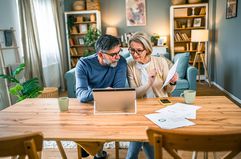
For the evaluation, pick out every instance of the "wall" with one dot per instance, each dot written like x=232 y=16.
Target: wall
x=226 y=59
x=8 y=18
x=113 y=14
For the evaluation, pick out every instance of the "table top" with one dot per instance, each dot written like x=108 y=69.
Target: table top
x=217 y=114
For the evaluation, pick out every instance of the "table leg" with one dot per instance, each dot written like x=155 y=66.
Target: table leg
x=61 y=149
x=79 y=151
x=117 y=145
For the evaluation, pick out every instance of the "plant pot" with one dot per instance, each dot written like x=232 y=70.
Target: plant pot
x=175 y=2
x=194 y=1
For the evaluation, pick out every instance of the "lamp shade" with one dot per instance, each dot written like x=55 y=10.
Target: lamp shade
x=199 y=35
x=111 y=31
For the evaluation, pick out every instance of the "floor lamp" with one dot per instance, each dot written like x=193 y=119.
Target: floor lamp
x=200 y=36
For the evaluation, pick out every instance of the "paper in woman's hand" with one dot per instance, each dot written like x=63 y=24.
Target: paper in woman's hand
x=171 y=73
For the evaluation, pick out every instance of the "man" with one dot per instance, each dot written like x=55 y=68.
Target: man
x=104 y=69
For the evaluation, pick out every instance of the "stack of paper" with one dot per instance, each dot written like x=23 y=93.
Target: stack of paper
x=174 y=116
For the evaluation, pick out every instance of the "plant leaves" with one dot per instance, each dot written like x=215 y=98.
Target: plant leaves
x=9 y=78
x=18 y=69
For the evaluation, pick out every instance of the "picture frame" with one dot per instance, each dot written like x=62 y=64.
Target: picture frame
x=162 y=41
x=231 y=8
x=135 y=12
x=83 y=28
x=197 y=22
x=81 y=41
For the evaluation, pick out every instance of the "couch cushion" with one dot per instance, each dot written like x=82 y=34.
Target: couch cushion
x=182 y=63
x=182 y=84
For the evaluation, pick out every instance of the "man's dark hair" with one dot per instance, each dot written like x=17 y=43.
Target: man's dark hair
x=106 y=42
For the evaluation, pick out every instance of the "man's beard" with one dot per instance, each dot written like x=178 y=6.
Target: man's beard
x=107 y=62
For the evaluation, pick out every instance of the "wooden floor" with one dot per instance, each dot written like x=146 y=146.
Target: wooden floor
x=202 y=90
x=72 y=154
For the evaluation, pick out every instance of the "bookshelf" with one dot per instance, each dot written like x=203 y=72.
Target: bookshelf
x=77 y=24
x=184 y=19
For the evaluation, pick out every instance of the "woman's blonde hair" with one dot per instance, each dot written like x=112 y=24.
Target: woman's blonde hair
x=141 y=38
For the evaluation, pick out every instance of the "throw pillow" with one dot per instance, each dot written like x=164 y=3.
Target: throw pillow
x=182 y=63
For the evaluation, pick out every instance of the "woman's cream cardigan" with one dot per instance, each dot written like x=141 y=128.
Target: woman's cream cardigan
x=162 y=67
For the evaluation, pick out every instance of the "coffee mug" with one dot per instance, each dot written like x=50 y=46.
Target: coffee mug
x=63 y=104
x=189 y=96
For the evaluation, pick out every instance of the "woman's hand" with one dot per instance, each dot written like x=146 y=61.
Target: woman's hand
x=152 y=76
x=174 y=78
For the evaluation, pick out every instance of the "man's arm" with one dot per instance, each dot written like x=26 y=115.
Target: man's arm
x=83 y=92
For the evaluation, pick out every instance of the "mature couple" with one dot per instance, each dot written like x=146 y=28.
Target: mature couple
x=107 y=68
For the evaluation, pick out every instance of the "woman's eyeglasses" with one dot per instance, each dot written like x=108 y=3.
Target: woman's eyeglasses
x=138 y=51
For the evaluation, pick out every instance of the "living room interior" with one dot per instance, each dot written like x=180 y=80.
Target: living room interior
x=55 y=71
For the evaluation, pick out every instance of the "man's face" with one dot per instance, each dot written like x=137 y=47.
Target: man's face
x=111 y=57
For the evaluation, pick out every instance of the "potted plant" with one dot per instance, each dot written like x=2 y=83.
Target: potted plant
x=28 y=89
x=154 y=39
x=89 y=40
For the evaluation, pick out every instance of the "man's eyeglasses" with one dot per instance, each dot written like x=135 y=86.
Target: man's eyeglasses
x=113 y=54
x=138 y=51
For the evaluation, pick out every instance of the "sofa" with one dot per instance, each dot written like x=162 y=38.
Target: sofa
x=187 y=75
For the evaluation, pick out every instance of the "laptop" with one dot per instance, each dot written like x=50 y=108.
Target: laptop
x=114 y=101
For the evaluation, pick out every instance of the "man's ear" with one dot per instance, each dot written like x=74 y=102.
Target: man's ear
x=100 y=54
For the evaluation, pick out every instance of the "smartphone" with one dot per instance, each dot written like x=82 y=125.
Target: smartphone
x=165 y=102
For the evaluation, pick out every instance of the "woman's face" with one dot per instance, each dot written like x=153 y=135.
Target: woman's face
x=138 y=52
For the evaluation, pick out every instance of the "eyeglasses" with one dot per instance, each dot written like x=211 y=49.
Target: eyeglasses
x=138 y=51
x=113 y=54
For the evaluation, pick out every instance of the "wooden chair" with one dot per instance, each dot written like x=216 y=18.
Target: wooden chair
x=194 y=141
x=22 y=145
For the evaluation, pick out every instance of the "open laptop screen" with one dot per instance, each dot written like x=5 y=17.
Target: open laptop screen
x=114 y=101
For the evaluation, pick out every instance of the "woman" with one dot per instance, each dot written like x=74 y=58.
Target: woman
x=147 y=74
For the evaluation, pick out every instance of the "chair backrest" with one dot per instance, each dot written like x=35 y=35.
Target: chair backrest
x=22 y=145
x=194 y=141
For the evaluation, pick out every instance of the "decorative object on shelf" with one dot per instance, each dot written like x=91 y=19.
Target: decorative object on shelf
x=92 y=18
x=8 y=36
x=22 y=90
x=154 y=39
x=194 y=1
x=93 y=4
x=197 y=22
x=231 y=8
x=175 y=2
x=79 y=5
x=135 y=12
x=89 y=40
x=112 y=31
x=83 y=28
x=200 y=36
x=162 y=41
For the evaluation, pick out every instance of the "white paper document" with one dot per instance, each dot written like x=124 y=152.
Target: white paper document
x=174 y=116
x=168 y=122
x=171 y=73
x=181 y=110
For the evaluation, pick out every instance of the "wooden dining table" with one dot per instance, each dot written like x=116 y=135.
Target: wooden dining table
x=217 y=114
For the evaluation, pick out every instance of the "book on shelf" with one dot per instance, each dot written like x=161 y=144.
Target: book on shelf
x=179 y=48
x=71 y=42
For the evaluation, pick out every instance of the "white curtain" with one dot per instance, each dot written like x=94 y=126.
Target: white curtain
x=48 y=37
x=50 y=52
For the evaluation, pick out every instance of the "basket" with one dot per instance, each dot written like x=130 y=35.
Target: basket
x=93 y=4
x=194 y=1
x=49 y=92
x=79 y=5
x=175 y=2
